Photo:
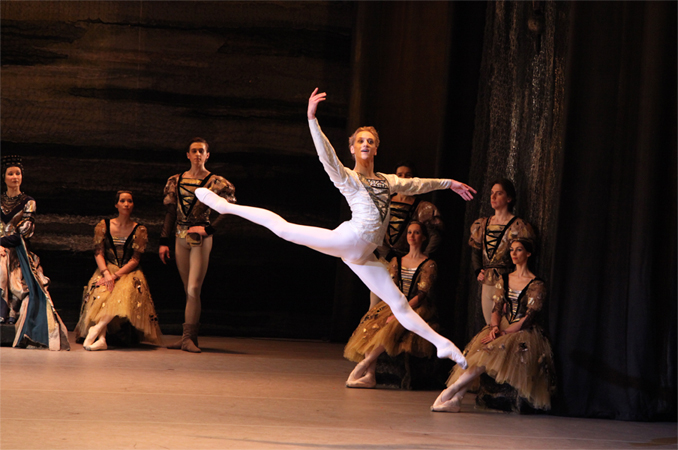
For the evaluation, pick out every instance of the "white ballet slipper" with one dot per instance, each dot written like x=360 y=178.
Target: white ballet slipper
x=367 y=382
x=452 y=405
x=452 y=352
x=212 y=200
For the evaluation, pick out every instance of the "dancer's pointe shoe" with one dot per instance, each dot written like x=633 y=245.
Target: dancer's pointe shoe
x=91 y=336
x=212 y=200
x=366 y=382
x=358 y=372
x=451 y=405
x=98 y=345
x=452 y=352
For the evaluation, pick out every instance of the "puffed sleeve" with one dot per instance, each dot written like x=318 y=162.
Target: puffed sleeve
x=498 y=297
x=476 y=238
x=536 y=293
x=427 y=278
x=140 y=239
x=225 y=189
x=521 y=230
x=170 y=202
x=24 y=228
x=476 y=243
x=99 y=237
x=393 y=270
x=428 y=214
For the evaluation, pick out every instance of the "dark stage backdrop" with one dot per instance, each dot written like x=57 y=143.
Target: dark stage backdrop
x=613 y=302
x=101 y=96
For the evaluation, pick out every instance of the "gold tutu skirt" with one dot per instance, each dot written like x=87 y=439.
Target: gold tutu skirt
x=523 y=359
x=129 y=301
x=374 y=331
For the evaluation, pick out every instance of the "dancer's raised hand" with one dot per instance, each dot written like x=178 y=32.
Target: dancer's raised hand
x=464 y=190
x=313 y=101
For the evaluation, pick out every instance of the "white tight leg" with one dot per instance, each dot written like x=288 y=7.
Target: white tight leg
x=342 y=242
x=192 y=263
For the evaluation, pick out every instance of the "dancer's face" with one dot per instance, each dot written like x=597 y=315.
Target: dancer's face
x=404 y=172
x=364 y=147
x=518 y=253
x=498 y=197
x=13 y=177
x=198 y=154
x=125 y=204
x=415 y=237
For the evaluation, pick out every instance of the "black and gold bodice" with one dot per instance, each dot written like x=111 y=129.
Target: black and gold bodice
x=421 y=283
x=184 y=210
x=515 y=305
x=119 y=250
x=380 y=193
x=17 y=219
x=491 y=245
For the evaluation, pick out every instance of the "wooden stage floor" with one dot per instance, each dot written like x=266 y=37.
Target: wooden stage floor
x=258 y=394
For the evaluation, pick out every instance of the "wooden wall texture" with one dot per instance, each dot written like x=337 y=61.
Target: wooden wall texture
x=100 y=96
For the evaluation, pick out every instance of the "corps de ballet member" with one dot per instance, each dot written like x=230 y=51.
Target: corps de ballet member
x=490 y=238
x=512 y=349
x=404 y=209
x=415 y=275
x=188 y=220
x=118 y=291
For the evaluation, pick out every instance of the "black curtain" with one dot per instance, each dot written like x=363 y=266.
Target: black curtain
x=613 y=302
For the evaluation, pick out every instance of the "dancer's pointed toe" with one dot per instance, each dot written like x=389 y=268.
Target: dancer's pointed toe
x=98 y=345
x=366 y=382
x=452 y=405
x=452 y=352
x=212 y=200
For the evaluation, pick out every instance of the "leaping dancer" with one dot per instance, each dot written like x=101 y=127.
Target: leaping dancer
x=368 y=194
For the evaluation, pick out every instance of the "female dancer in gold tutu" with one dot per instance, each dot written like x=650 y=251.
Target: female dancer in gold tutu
x=378 y=330
x=490 y=238
x=118 y=290
x=513 y=348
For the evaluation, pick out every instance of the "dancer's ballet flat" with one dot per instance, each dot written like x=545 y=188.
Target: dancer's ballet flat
x=358 y=372
x=453 y=353
x=452 y=405
x=91 y=336
x=366 y=382
x=98 y=345
x=212 y=200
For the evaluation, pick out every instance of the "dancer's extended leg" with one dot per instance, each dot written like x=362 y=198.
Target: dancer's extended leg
x=378 y=280
x=340 y=242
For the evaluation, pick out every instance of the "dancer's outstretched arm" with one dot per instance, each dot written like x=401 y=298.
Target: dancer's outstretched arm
x=328 y=157
x=416 y=186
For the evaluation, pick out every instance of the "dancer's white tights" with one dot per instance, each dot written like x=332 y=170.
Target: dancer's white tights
x=342 y=242
x=192 y=263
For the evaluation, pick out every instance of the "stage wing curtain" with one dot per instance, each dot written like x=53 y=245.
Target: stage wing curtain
x=613 y=302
